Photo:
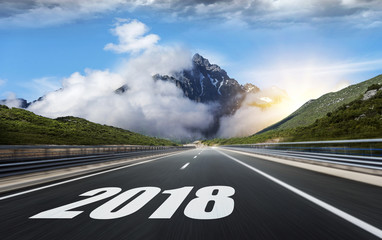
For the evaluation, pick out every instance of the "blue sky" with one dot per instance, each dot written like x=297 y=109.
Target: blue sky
x=323 y=44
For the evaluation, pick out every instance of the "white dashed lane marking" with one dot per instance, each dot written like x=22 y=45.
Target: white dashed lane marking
x=184 y=166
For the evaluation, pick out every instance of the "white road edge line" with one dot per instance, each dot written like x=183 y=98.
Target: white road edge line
x=86 y=176
x=358 y=222
x=184 y=166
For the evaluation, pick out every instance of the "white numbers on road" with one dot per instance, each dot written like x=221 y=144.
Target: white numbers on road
x=221 y=201
x=169 y=207
x=63 y=211
x=212 y=202
x=105 y=211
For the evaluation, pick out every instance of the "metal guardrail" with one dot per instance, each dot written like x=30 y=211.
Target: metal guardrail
x=373 y=140
x=26 y=159
x=361 y=147
x=374 y=163
x=360 y=153
x=25 y=152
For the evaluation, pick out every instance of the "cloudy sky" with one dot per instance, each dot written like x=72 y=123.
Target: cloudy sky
x=305 y=47
x=260 y=41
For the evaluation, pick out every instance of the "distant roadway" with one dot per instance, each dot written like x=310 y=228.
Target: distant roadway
x=204 y=193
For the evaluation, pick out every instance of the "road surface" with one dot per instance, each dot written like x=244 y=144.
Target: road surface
x=208 y=193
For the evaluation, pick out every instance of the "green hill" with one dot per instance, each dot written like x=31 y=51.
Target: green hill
x=359 y=119
x=19 y=126
x=318 y=108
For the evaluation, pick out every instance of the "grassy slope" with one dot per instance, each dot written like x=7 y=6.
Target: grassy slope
x=357 y=119
x=18 y=126
x=318 y=108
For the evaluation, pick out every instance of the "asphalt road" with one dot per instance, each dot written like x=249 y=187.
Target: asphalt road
x=196 y=194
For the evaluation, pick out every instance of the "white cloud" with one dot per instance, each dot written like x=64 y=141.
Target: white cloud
x=151 y=107
x=257 y=111
x=34 y=13
x=132 y=37
x=12 y=101
x=318 y=69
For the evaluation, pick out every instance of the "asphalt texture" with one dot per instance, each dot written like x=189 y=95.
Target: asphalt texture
x=226 y=200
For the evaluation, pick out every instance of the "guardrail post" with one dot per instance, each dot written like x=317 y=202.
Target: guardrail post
x=371 y=152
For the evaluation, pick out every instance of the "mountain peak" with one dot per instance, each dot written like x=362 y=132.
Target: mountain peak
x=206 y=83
x=199 y=60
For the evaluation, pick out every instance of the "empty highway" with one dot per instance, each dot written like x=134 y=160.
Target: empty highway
x=204 y=193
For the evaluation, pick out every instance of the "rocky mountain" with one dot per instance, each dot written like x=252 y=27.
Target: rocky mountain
x=208 y=83
x=318 y=108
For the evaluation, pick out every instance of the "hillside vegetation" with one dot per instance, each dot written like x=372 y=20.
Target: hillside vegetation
x=19 y=126
x=358 y=119
x=318 y=108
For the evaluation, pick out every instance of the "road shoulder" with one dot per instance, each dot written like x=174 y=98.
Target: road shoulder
x=348 y=174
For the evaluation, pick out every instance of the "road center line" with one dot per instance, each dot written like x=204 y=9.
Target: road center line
x=86 y=176
x=195 y=156
x=358 y=222
x=184 y=166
